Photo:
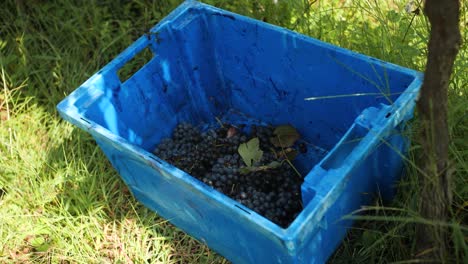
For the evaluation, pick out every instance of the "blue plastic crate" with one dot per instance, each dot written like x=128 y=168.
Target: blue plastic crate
x=210 y=63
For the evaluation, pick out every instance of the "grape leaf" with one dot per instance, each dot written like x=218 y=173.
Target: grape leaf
x=245 y=170
x=288 y=153
x=250 y=152
x=284 y=136
x=271 y=165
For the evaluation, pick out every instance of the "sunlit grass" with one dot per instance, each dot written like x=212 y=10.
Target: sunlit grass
x=61 y=200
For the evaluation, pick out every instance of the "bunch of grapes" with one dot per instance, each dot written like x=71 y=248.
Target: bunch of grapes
x=212 y=157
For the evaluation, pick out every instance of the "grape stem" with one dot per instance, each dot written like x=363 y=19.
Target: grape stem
x=287 y=160
x=219 y=121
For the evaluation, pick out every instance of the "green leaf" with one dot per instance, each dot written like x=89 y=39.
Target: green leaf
x=41 y=243
x=245 y=170
x=250 y=152
x=37 y=241
x=285 y=136
x=271 y=165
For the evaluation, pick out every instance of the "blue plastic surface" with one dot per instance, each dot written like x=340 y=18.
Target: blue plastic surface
x=210 y=63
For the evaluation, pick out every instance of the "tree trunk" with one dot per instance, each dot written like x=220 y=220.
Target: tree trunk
x=444 y=42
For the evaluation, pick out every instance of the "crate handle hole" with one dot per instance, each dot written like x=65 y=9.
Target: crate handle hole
x=388 y=115
x=135 y=64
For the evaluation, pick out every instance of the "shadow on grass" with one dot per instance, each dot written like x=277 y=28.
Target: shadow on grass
x=114 y=226
x=96 y=218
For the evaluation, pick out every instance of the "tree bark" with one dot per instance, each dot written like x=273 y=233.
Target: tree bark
x=444 y=43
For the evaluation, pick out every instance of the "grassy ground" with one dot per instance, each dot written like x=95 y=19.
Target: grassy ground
x=60 y=199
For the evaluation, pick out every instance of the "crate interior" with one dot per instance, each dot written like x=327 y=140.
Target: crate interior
x=208 y=64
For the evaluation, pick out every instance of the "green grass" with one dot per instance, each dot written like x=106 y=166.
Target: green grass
x=60 y=199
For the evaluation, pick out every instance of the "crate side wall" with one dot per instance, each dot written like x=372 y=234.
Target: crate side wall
x=374 y=178
x=169 y=89
x=271 y=71
x=213 y=223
